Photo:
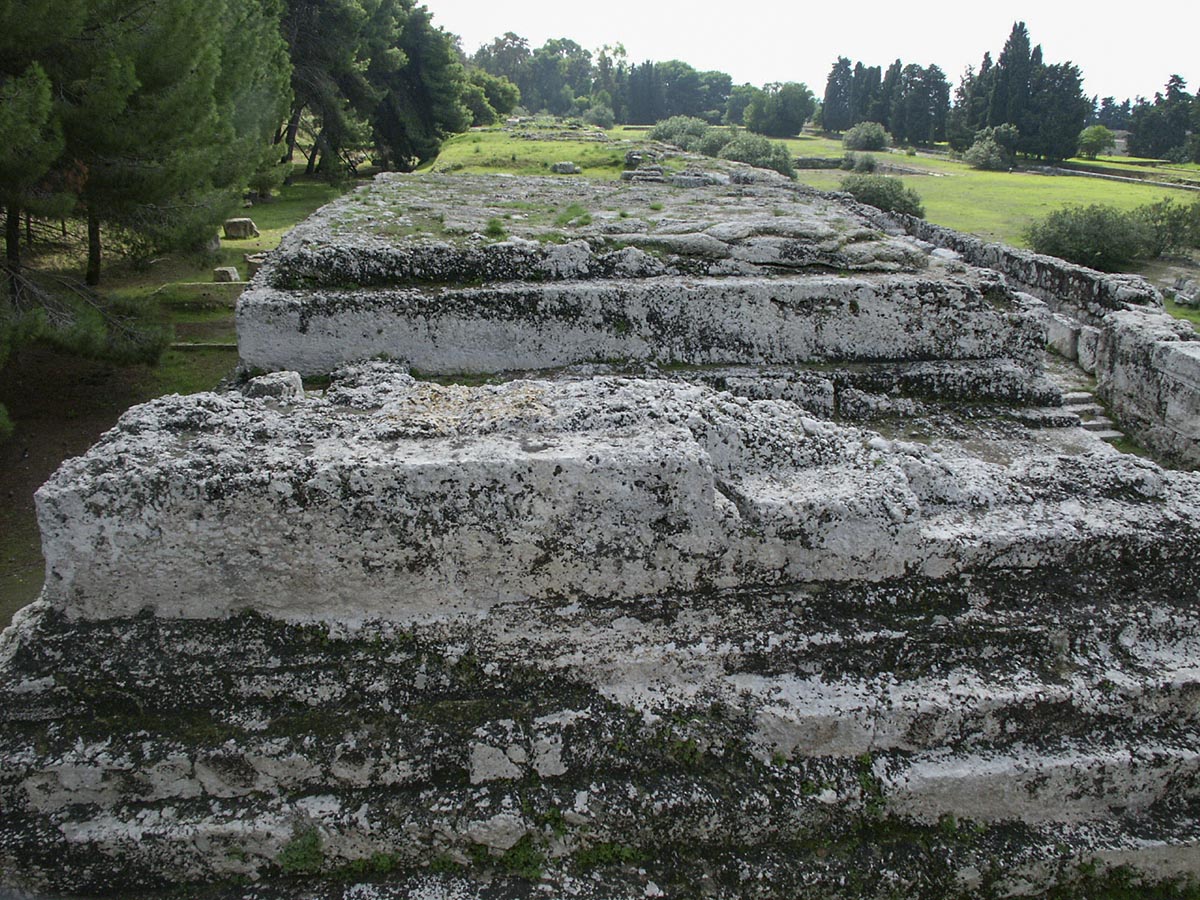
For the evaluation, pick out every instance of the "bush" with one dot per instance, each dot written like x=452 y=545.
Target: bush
x=682 y=131
x=885 y=192
x=1097 y=236
x=986 y=154
x=756 y=150
x=1169 y=227
x=715 y=140
x=867 y=136
x=600 y=116
x=858 y=162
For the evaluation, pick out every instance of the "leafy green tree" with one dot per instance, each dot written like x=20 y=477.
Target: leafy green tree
x=647 y=97
x=1009 y=98
x=32 y=142
x=506 y=56
x=780 y=110
x=501 y=95
x=740 y=98
x=715 y=88
x=682 y=89
x=864 y=89
x=325 y=40
x=611 y=77
x=1094 y=140
x=1161 y=127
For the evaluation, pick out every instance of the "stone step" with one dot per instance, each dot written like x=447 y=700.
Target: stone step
x=1099 y=423
x=193 y=345
x=1085 y=409
x=1109 y=435
x=734 y=320
x=1071 y=397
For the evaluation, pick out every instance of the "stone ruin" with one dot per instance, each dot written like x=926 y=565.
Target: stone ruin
x=721 y=541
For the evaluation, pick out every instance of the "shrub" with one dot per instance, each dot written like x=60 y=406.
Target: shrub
x=858 y=162
x=885 y=192
x=867 y=136
x=600 y=116
x=864 y=162
x=682 y=131
x=1169 y=227
x=986 y=154
x=756 y=150
x=715 y=140
x=1097 y=236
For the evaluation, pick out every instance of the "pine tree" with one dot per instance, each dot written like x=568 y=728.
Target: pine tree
x=422 y=101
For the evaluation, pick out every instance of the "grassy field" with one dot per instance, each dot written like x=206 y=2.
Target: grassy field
x=999 y=206
x=495 y=150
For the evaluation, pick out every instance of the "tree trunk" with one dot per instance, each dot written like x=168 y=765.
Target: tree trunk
x=293 y=130
x=12 y=252
x=28 y=230
x=94 y=249
x=318 y=146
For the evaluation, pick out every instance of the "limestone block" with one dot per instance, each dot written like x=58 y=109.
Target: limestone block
x=285 y=386
x=696 y=322
x=565 y=168
x=1062 y=336
x=240 y=229
x=1086 y=348
x=407 y=501
x=226 y=274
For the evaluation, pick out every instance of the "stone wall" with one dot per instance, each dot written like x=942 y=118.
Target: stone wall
x=1143 y=359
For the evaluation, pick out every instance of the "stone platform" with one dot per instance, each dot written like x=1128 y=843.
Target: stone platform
x=654 y=569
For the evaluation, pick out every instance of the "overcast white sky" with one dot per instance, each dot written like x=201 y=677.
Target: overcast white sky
x=1121 y=53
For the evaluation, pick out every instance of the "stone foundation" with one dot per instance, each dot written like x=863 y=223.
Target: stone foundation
x=705 y=542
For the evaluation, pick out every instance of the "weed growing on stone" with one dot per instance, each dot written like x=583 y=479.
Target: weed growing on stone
x=495 y=230
x=302 y=855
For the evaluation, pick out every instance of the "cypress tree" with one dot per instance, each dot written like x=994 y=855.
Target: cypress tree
x=836 y=108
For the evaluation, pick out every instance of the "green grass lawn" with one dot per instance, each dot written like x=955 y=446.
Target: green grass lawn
x=494 y=150
x=999 y=206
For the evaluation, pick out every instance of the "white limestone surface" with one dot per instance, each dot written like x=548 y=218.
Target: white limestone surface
x=512 y=326
x=405 y=500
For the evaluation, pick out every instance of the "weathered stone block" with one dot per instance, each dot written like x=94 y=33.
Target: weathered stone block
x=240 y=229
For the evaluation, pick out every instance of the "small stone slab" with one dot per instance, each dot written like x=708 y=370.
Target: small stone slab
x=226 y=275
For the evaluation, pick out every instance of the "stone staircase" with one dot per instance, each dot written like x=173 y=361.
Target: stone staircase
x=1092 y=416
